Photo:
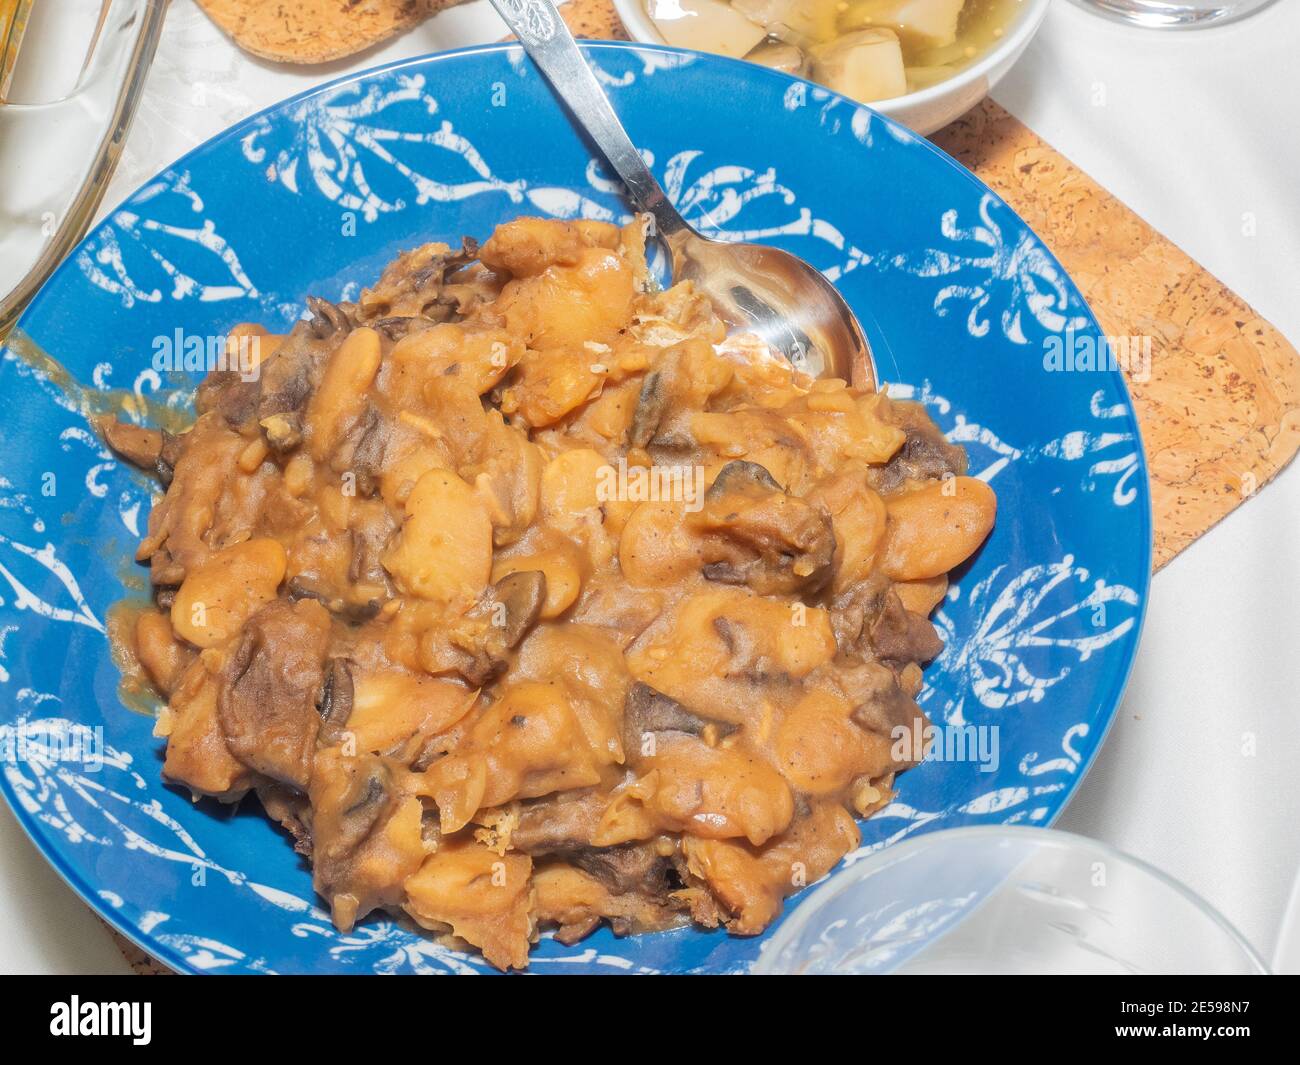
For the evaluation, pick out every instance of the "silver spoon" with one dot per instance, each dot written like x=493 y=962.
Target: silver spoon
x=754 y=288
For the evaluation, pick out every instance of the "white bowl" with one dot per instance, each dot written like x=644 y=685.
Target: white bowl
x=930 y=108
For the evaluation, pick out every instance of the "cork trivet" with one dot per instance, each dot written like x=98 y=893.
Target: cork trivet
x=316 y=31
x=142 y=964
x=1220 y=413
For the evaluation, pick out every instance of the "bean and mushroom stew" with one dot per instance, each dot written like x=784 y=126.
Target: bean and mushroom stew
x=526 y=599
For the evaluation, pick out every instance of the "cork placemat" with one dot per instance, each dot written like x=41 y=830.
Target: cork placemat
x=1220 y=411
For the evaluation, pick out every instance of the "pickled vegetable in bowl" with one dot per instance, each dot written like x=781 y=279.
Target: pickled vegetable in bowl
x=869 y=50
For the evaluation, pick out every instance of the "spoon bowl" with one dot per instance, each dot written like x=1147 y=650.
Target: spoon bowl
x=782 y=299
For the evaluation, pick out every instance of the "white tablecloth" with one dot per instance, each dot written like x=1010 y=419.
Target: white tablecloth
x=1200 y=134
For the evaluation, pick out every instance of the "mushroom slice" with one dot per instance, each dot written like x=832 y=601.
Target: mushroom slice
x=494 y=626
x=367 y=838
x=517 y=600
x=336 y=699
x=139 y=446
x=647 y=711
x=879 y=703
x=870 y=619
x=629 y=867
x=651 y=405
x=291 y=810
x=269 y=687
x=327 y=318
x=303 y=587
x=757 y=535
x=925 y=454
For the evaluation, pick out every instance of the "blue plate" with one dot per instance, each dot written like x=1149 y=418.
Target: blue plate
x=964 y=304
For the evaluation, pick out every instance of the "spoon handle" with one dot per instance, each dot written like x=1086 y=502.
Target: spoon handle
x=551 y=46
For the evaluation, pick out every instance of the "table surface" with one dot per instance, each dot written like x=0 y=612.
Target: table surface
x=1200 y=134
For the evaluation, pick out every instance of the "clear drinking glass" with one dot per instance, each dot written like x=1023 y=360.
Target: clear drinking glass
x=1004 y=900
x=1171 y=14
